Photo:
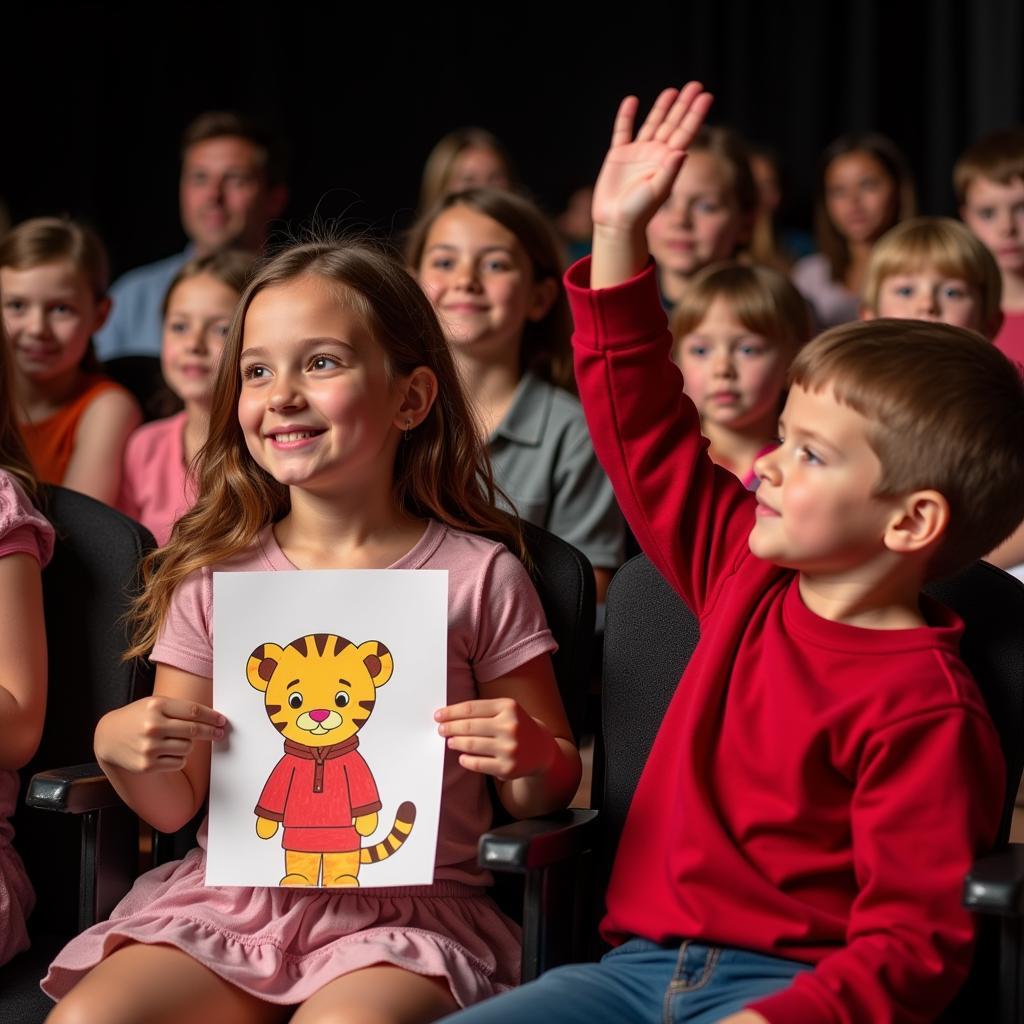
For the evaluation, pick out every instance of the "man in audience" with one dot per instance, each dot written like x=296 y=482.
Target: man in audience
x=232 y=187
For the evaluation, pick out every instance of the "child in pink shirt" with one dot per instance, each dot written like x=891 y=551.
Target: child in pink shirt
x=155 y=486
x=339 y=438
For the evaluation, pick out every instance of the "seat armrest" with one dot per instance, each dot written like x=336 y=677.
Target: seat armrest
x=535 y=843
x=995 y=884
x=75 y=790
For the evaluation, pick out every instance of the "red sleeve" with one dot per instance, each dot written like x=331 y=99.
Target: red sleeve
x=362 y=790
x=691 y=518
x=927 y=802
x=275 y=793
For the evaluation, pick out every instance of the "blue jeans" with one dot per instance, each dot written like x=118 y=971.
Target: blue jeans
x=642 y=981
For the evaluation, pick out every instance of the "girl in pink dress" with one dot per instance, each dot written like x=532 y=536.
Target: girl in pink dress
x=736 y=331
x=339 y=438
x=155 y=486
x=26 y=543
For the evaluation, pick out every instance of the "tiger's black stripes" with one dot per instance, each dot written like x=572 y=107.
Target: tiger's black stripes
x=405 y=817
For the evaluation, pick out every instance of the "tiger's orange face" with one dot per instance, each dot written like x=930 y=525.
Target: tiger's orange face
x=321 y=688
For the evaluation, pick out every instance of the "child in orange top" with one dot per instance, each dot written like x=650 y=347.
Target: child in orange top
x=74 y=421
x=737 y=330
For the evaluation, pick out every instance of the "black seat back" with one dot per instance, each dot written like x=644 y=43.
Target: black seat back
x=87 y=588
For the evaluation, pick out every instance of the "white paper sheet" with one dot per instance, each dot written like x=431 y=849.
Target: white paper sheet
x=407 y=611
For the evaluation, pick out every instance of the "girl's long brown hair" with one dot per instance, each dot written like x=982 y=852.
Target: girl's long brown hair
x=441 y=471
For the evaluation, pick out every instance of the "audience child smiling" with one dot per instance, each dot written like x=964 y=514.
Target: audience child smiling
x=490 y=263
x=74 y=421
x=197 y=313
x=709 y=214
x=773 y=865
x=339 y=438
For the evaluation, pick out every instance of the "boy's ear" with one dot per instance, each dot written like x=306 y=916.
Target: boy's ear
x=866 y=313
x=419 y=397
x=918 y=523
x=544 y=294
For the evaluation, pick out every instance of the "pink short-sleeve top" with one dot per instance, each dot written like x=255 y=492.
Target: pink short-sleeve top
x=23 y=531
x=155 y=487
x=495 y=625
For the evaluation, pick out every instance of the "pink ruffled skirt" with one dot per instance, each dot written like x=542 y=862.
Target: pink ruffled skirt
x=282 y=945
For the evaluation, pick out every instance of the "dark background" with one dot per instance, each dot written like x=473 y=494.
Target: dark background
x=95 y=95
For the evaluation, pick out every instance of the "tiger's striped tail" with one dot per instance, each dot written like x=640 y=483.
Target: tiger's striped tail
x=404 y=819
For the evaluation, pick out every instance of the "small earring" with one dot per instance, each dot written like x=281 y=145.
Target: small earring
x=408 y=429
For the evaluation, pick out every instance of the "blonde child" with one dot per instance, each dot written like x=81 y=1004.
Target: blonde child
x=339 y=438
x=737 y=329
x=864 y=188
x=74 y=421
x=771 y=867
x=197 y=313
x=490 y=263
x=989 y=183
x=933 y=268
x=26 y=543
x=709 y=214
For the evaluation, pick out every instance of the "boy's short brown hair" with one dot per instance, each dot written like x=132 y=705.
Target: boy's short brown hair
x=946 y=409
x=998 y=157
x=942 y=244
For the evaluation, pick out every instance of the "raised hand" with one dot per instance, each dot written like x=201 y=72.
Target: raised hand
x=497 y=737
x=155 y=734
x=637 y=176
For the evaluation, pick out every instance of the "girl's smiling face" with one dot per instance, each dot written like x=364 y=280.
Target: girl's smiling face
x=50 y=313
x=480 y=280
x=319 y=407
x=199 y=311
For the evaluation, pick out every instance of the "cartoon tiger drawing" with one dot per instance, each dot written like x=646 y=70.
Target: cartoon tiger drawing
x=319 y=691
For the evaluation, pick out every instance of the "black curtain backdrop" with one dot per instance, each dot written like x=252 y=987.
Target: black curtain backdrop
x=95 y=95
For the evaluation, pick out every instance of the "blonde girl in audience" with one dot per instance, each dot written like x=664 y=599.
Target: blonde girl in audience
x=74 y=421
x=197 y=313
x=737 y=329
x=339 y=438
x=465 y=158
x=709 y=215
x=26 y=543
x=864 y=188
x=490 y=263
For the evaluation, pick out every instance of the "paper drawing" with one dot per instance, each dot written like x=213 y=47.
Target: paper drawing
x=319 y=691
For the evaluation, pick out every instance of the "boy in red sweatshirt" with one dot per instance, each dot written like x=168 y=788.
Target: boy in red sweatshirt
x=778 y=860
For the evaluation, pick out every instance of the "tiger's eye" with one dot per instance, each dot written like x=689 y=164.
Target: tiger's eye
x=295 y=700
x=341 y=698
